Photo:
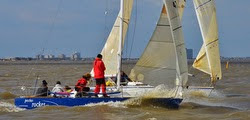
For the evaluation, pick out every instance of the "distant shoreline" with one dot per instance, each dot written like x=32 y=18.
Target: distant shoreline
x=54 y=62
x=80 y=62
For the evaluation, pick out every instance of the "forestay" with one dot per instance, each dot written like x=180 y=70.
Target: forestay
x=208 y=59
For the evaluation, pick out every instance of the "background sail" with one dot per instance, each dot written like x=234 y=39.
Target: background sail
x=158 y=60
x=208 y=59
x=176 y=28
x=110 y=48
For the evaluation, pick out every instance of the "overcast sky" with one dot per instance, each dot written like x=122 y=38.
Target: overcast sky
x=65 y=26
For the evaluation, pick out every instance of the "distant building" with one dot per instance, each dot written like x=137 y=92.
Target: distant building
x=51 y=56
x=76 y=56
x=189 y=53
x=46 y=56
x=40 y=57
x=62 y=56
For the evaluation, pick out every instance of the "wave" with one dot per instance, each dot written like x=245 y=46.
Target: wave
x=7 y=95
x=208 y=108
x=211 y=102
x=214 y=98
x=202 y=93
x=110 y=104
x=8 y=107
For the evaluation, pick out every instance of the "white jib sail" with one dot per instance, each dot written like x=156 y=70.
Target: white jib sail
x=158 y=61
x=208 y=59
x=110 y=48
x=176 y=30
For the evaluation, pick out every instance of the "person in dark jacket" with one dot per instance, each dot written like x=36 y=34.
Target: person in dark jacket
x=43 y=90
x=124 y=79
x=99 y=69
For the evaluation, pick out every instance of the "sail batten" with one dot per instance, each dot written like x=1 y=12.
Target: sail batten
x=208 y=59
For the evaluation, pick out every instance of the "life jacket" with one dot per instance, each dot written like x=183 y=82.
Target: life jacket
x=81 y=83
x=99 y=68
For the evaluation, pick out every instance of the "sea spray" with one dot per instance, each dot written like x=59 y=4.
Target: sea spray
x=147 y=98
x=110 y=104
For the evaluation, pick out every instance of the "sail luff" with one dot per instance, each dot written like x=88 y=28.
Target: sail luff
x=206 y=15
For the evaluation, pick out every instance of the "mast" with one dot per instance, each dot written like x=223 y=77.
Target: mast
x=119 y=54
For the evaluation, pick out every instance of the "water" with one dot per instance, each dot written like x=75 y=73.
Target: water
x=230 y=99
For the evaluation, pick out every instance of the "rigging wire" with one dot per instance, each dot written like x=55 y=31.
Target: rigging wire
x=126 y=40
x=134 y=30
x=127 y=49
x=105 y=37
x=51 y=29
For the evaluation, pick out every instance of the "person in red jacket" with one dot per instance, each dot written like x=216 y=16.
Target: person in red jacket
x=81 y=83
x=99 y=69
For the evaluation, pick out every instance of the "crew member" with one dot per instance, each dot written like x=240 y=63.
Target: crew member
x=99 y=69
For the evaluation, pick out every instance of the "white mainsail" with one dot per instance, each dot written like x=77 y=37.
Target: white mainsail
x=158 y=61
x=111 y=46
x=208 y=59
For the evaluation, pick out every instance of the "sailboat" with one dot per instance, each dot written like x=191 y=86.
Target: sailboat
x=164 y=58
x=208 y=59
x=112 y=46
x=169 y=63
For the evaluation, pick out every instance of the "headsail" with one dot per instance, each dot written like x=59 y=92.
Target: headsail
x=177 y=34
x=158 y=60
x=208 y=59
x=110 y=48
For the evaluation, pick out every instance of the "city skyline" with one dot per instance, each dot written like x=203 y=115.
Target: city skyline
x=55 y=27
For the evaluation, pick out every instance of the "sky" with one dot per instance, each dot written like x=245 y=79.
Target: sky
x=31 y=27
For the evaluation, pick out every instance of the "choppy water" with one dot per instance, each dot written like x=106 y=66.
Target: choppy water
x=230 y=100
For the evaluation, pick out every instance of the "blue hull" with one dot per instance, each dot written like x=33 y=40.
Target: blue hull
x=31 y=103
